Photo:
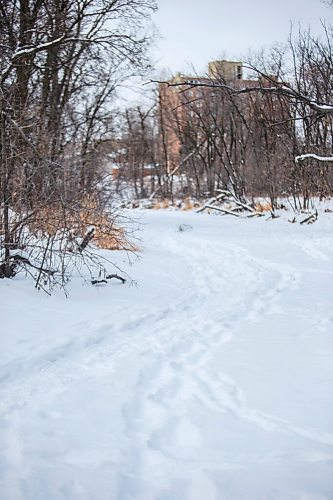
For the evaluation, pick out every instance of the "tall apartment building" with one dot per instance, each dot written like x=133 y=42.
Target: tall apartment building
x=180 y=103
x=197 y=117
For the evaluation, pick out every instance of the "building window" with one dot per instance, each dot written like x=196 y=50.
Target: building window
x=239 y=72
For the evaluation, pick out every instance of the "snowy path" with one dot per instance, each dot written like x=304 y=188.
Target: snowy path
x=210 y=380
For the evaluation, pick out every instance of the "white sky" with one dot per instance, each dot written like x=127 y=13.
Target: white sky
x=197 y=31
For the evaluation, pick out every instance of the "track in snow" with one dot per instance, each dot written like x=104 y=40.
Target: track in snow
x=142 y=400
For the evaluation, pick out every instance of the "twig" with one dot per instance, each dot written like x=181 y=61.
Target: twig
x=110 y=276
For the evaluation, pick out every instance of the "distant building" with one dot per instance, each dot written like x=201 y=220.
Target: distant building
x=230 y=70
x=195 y=115
x=179 y=103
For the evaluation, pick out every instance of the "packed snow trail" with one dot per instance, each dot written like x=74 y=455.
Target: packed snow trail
x=211 y=379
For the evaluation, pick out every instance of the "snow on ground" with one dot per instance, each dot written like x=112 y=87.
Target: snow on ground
x=211 y=379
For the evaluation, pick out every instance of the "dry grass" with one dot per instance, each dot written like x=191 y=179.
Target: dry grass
x=78 y=220
x=263 y=207
x=163 y=204
x=188 y=204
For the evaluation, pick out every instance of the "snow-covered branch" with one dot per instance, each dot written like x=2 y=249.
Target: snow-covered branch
x=321 y=108
x=280 y=89
x=300 y=158
x=37 y=48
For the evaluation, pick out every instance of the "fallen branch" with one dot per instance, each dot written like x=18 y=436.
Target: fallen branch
x=224 y=210
x=209 y=202
x=225 y=195
x=97 y=282
x=311 y=219
x=237 y=201
x=110 y=276
x=255 y=214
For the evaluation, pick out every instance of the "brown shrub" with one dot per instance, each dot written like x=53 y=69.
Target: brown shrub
x=263 y=207
x=78 y=220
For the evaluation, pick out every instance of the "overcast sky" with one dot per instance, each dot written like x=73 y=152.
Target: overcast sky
x=197 y=31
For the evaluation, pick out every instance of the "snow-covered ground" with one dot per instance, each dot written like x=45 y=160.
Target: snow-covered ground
x=212 y=379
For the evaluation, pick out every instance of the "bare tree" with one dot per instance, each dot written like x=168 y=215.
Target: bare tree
x=62 y=62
